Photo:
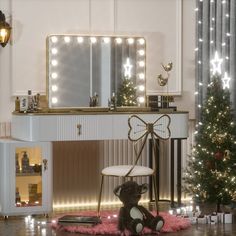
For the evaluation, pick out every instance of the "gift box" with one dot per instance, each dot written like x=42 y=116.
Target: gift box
x=202 y=219
x=220 y=218
x=227 y=218
x=189 y=213
x=193 y=220
x=214 y=218
x=197 y=213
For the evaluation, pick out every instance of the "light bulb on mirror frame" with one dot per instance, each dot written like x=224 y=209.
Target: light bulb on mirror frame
x=141 y=99
x=93 y=40
x=141 y=41
x=54 y=62
x=141 y=76
x=67 y=39
x=54 y=100
x=80 y=39
x=54 y=51
x=141 y=88
x=141 y=52
x=54 y=39
x=141 y=63
x=106 y=40
x=54 y=75
x=130 y=40
x=54 y=88
x=118 y=40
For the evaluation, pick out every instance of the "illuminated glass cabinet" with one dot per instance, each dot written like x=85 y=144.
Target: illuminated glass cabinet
x=25 y=177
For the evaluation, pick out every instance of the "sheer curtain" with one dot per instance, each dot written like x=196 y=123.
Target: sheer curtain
x=215 y=31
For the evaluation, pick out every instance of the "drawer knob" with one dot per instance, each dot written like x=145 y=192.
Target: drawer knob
x=79 y=126
x=45 y=164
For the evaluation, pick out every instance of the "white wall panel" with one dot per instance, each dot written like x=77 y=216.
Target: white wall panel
x=23 y=60
x=160 y=23
x=33 y=21
x=102 y=16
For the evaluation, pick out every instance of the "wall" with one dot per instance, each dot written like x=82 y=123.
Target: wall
x=168 y=28
x=23 y=61
x=187 y=100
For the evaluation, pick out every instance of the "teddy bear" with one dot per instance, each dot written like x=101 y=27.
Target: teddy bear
x=133 y=216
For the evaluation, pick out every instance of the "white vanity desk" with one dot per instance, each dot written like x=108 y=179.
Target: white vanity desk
x=37 y=127
x=87 y=125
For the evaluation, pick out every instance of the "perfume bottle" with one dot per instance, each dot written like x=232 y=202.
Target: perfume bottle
x=17 y=163
x=25 y=162
x=30 y=101
x=17 y=104
x=18 y=198
x=112 y=102
x=96 y=99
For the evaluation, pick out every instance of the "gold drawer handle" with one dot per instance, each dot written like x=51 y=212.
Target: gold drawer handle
x=79 y=126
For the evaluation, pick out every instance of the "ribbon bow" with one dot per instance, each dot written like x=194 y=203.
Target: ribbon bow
x=139 y=130
x=159 y=129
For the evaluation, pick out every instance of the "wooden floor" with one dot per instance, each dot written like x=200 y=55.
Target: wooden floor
x=41 y=226
x=19 y=226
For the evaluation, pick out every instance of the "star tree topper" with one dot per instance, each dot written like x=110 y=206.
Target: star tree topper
x=216 y=69
x=225 y=81
x=216 y=64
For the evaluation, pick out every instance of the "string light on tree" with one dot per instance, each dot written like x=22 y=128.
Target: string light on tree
x=210 y=173
x=126 y=95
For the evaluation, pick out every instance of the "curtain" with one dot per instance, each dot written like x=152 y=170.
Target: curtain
x=215 y=31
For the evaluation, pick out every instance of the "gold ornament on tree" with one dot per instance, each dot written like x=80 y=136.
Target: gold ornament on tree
x=219 y=138
x=226 y=155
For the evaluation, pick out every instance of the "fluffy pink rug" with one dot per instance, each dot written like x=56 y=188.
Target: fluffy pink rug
x=109 y=224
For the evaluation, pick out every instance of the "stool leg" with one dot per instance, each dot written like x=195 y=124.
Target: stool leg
x=155 y=192
x=100 y=197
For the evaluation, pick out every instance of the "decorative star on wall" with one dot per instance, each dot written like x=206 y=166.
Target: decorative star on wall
x=128 y=68
x=225 y=81
x=216 y=64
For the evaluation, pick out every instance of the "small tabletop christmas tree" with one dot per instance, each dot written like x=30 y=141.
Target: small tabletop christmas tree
x=211 y=173
x=126 y=95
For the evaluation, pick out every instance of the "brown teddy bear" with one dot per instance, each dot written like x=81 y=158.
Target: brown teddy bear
x=132 y=216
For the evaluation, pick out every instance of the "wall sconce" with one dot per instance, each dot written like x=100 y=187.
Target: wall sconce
x=5 y=30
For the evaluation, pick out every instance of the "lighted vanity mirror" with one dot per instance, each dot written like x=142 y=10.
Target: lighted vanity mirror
x=78 y=67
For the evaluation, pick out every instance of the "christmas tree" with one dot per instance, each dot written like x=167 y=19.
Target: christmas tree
x=211 y=173
x=126 y=95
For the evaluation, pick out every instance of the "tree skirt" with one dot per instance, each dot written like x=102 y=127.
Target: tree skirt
x=109 y=224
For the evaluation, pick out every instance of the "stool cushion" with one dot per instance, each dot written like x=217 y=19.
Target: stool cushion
x=122 y=170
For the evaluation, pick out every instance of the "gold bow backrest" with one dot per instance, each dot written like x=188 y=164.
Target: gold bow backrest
x=159 y=129
x=139 y=130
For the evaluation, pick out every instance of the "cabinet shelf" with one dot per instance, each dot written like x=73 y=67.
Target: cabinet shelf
x=27 y=174
x=25 y=186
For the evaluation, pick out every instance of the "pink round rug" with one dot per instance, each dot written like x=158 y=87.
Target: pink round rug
x=109 y=224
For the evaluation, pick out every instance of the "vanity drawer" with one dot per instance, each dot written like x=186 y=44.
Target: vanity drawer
x=85 y=127
x=34 y=127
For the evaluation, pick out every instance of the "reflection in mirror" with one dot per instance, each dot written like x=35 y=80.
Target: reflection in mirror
x=82 y=67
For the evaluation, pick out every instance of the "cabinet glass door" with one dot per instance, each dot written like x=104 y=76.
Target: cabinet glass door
x=28 y=173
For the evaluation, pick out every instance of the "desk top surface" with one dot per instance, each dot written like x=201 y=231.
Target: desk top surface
x=97 y=111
